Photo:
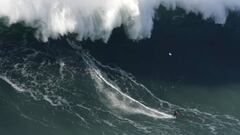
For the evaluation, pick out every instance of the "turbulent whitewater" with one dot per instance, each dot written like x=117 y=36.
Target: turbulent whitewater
x=96 y=19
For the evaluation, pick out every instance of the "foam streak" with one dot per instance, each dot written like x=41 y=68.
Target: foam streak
x=12 y=84
x=128 y=103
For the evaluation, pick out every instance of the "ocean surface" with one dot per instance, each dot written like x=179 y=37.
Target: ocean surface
x=67 y=86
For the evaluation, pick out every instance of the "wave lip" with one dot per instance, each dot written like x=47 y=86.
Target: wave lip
x=94 y=19
x=89 y=19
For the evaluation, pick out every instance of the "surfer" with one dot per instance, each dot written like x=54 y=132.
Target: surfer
x=176 y=113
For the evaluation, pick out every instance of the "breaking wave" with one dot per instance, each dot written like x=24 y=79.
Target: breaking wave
x=94 y=19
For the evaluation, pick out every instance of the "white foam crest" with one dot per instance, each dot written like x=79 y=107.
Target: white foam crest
x=95 y=19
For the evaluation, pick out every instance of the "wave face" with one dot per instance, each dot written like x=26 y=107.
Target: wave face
x=96 y=19
x=62 y=86
x=62 y=89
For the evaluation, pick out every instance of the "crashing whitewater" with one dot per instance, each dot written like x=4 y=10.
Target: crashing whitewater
x=94 y=19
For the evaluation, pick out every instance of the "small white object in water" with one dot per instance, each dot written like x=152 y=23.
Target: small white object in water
x=170 y=54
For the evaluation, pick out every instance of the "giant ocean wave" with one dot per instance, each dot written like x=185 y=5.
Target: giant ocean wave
x=72 y=86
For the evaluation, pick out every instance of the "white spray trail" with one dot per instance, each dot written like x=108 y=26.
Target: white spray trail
x=124 y=102
x=11 y=84
x=95 y=19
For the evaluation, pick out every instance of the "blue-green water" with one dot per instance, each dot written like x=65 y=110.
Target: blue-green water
x=123 y=87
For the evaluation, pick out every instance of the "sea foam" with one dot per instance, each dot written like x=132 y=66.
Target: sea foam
x=96 y=19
